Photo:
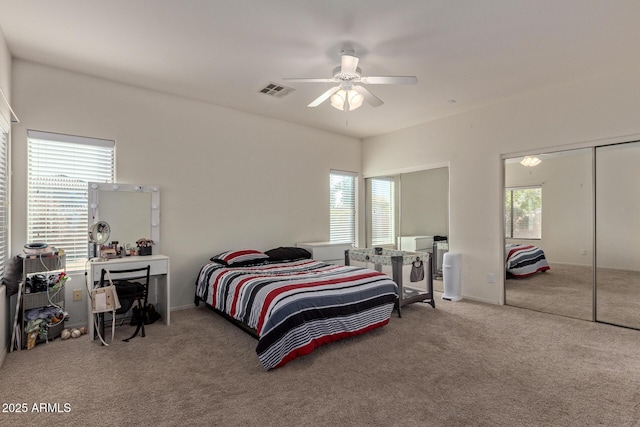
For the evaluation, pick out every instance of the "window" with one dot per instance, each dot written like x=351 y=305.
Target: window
x=383 y=221
x=60 y=166
x=523 y=213
x=342 y=207
x=4 y=195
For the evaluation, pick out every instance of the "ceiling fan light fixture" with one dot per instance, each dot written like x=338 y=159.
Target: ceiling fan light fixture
x=347 y=95
x=338 y=99
x=355 y=99
x=346 y=100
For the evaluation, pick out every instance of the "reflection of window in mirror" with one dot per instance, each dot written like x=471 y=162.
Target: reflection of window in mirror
x=523 y=213
x=383 y=211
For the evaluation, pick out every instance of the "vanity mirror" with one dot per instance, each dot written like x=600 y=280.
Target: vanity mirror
x=132 y=211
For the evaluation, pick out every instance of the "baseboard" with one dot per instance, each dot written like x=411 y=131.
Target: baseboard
x=569 y=263
x=482 y=300
x=182 y=307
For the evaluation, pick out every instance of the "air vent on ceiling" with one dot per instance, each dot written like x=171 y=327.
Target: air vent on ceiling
x=276 y=90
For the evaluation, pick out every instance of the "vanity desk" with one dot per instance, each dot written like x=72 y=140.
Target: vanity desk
x=132 y=211
x=159 y=274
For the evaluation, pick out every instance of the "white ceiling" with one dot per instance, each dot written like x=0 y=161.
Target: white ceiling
x=476 y=52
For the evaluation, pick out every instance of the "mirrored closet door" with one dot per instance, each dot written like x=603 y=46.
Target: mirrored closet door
x=549 y=213
x=618 y=234
x=404 y=206
x=405 y=211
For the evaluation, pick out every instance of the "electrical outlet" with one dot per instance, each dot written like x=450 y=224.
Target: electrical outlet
x=491 y=278
x=77 y=295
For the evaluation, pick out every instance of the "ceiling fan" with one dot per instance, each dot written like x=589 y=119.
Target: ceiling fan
x=349 y=95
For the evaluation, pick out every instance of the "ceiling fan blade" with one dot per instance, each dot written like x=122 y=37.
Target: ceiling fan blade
x=306 y=80
x=369 y=97
x=319 y=100
x=349 y=64
x=390 y=80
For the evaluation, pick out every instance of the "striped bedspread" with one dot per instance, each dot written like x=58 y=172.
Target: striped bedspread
x=524 y=260
x=297 y=306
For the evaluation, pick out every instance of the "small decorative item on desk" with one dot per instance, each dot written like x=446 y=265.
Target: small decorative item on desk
x=108 y=251
x=144 y=246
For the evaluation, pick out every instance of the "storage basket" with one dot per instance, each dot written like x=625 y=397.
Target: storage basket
x=41 y=264
x=55 y=330
x=52 y=332
x=43 y=299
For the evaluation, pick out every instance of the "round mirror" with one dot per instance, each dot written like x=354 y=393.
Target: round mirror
x=99 y=233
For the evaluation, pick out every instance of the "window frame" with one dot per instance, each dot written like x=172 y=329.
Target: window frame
x=59 y=168
x=334 y=232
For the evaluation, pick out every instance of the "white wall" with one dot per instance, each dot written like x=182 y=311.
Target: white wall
x=228 y=179
x=5 y=84
x=580 y=113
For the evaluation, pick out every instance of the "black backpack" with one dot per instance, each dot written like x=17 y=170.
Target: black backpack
x=128 y=292
x=149 y=315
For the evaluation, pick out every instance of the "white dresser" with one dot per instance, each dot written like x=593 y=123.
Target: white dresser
x=332 y=253
x=415 y=243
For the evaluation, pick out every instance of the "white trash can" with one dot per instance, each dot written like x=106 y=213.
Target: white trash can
x=451 y=276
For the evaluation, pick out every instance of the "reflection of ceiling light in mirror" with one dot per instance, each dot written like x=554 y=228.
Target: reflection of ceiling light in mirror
x=530 y=161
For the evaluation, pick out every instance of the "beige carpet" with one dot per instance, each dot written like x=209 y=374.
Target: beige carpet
x=462 y=364
x=567 y=290
x=564 y=289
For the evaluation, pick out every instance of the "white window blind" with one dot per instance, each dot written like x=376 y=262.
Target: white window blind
x=59 y=168
x=383 y=223
x=4 y=197
x=342 y=202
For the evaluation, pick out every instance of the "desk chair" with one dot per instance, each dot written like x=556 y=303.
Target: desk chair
x=131 y=285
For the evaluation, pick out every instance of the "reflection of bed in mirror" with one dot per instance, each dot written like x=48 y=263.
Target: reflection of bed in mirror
x=524 y=260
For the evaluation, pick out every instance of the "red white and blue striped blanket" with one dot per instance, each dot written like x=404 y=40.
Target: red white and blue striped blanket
x=524 y=260
x=297 y=306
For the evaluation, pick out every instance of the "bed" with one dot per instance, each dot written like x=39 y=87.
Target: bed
x=524 y=260
x=292 y=306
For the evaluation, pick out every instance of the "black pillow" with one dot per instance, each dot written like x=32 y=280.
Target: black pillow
x=288 y=253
